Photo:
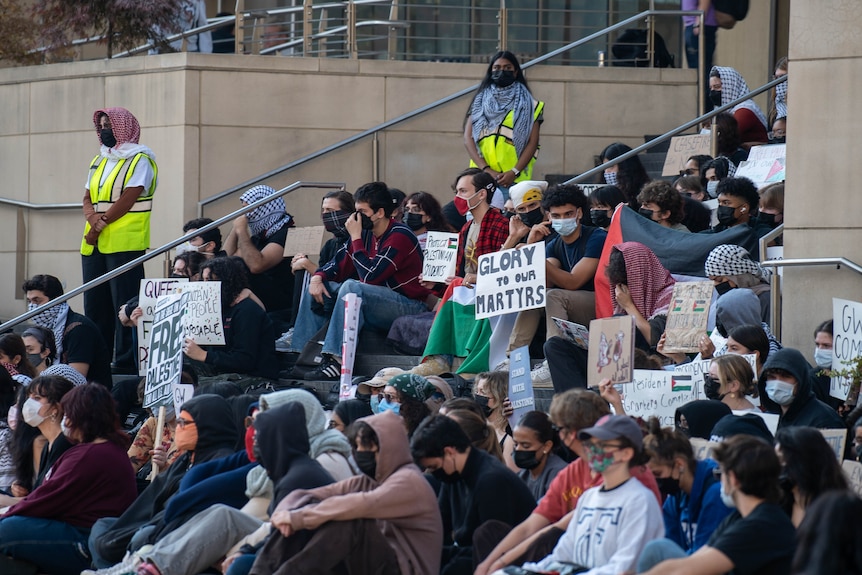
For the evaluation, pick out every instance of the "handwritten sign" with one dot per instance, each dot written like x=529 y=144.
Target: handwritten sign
x=688 y=316
x=837 y=440
x=768 y=152
x=305 y=240
x=681 y=149
x=150 y=291
x=352 y=303
x=510 y=281
x=658 y=393
x=847 y=342
x=441 y=254
x=588 y=189
x=696 y=370
x=853 y=472
x=165 y=360
x=203 y=317
x=611 y=350
x=762 y=172
x=520 y=384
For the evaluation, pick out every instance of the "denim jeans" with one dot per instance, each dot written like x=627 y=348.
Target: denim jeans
x=53 y=546
x=380 y=306
x=307 y=322
x=657 y=551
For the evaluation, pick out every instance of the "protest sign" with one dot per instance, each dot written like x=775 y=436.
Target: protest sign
x=352 y=303
x=762 y=172
x=165 y=360
x=203 y=318
x=510 y=281
x=588 y=189
x=574 y=332
x=681 y=149
x=853 y=472
x=441 y=254
x=767 y=152
x=698 y=368
x=847 y=342
x=837 y=440
x=306 y=240
x=150 y=291
x=520 y=384
x=658 y=393
x=688 y=316
x=611 y=350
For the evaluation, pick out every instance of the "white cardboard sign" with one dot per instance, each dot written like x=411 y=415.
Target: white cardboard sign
x=847 y=341
x=441 y=254
x=511 y=281
x=203 y=317
x=150 y=291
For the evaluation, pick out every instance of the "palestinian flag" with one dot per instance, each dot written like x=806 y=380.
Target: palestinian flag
x=456 y=331
x=680 y=383
x=453 y=243
x=681 y=253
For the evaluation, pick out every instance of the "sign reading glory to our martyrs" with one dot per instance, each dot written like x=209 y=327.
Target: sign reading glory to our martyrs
x=511 y=280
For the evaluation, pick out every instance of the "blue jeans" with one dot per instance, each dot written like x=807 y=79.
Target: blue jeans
x=53 y=546
x=309 y=323
x=380 y=306
x=242 y=565
x=657 y=551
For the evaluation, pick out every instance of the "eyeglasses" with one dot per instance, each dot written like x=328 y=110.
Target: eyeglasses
x=776 y=134
x=604 y=446
x=184 y=423
x=391 y=397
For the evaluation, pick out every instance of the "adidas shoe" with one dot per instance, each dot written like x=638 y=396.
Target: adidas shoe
x=329 y=370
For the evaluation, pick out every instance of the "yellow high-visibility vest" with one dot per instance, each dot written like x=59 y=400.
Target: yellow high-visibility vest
x=132 y=231
x=498 y=147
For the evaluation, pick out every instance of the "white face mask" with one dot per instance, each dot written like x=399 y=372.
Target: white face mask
x=779 y=391
x=12 y=418
x=64 y=428
x=712 y=188
x=823 y=358
x=726 y=498
x=186 y=247
x=30 y=412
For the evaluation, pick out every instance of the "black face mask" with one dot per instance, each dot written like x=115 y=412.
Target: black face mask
x=785 y=482
x=444 y=477
x=414 y=221
x=781 y=140
x=766 y=219
x=366 y=461
x=600 y=218
x=367 y=224
x=483 y=403
x=719 y=327
x=726 y=215
x=532 y=217
x=507 y=214
x=722 y=289
x=646 y=213
x=711 y=387
x=668 y=486
x=334 y=222
x=503 y=78
x=715 y=98
x=526 y=459
x=108 y=139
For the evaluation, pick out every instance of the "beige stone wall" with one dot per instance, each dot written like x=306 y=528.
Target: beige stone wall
x=823 y=202
x=215 y=121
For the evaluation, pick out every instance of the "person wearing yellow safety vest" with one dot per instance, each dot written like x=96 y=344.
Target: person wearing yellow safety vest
x=117 y=205
x=501 y=132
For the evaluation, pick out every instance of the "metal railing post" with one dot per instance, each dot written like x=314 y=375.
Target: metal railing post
x=352 y=50
x=503 y=27
x=239 y=30
x=702 y=74
x=375 y=158
x=307 y=27
x=392 y=44
x=650 y=50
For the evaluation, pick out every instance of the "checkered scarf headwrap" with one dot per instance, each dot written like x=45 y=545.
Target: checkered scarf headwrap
x=731 y=260
x=268 y=218
x=649 y=283
x=123 y=123
x=733 y=86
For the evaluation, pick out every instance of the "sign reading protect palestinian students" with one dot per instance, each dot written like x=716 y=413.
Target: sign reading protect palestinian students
x=150 y=291
x=611 y=350
x=510 y=281
x=203 y=318
x=441 y=254
x=847 y=342
x=165 y=360
x=681 y=149
x=659 y=393
x=688 y=316
x=520 y=384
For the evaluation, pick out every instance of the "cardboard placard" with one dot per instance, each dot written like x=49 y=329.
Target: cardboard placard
x=611 y=350
x=681 y=149
x=853 y=472
x=574 y=332
x=698 y=368
x=767 y=152
x=688 y=316
x=847 y=342
x=837 y=440
x=165 y=360
x=511 y=281
x=305 y=240
x=520 y=384
x=659 y=393
x=762 y=172
x=203 y=320
x=441 y=254
x=352 y=303
x=150 y=290
x=588 y=189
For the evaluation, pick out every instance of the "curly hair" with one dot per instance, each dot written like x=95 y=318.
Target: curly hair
x=578 y=409
x=232 y=272
x=664 y=444
x=412 y=412
x=214 y=235
x=431 y=207
x=742 y=188
x=666 y=197
x=562 y=194
x=90 y=410
x=48 y=285
x=12 y=344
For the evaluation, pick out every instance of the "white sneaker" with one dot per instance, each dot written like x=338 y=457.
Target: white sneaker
x=283 y=343
x=541 y=376
x=502 y=366
x=128 y=566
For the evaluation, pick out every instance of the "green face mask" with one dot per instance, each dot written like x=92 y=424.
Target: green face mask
x=598 y=460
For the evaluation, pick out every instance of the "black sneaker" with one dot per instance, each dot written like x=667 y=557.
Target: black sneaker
x=329 y=370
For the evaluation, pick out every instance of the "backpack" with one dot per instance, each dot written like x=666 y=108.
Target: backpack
x=631 y=46
x=729 y=12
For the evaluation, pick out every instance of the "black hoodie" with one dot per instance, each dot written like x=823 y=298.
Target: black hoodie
x=806 y=409
x=281 y=441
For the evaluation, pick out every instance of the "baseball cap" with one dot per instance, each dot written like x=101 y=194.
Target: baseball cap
x=614 y=427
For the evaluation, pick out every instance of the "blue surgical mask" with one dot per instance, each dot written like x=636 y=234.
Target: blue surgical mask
x=611 y=178
x=712 y=188
x=823 y=358
x=388 y=406
x=779 y=391
x=565 y=227
x=375 y=403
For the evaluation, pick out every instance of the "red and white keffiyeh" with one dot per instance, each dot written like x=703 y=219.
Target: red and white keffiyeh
x=649 y=283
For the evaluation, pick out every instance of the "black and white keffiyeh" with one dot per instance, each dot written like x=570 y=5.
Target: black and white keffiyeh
x=53 y=318
x=733 y=86
x=67 y=372
x=730 y=260
x=268 y=218
x=781 y=100
x=490 y=107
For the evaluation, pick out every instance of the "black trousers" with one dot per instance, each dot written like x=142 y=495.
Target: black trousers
x=567 y=364
x=101 y=303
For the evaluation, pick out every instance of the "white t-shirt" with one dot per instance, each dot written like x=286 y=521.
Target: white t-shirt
x=609 y=530
x=142 y=176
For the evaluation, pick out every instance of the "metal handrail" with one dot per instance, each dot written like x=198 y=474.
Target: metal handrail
x=437 y=104
x=212 y=24
x=164 y=248
x=668 y=135
x=31 y=206
x=333 y=32
x=764 y=240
